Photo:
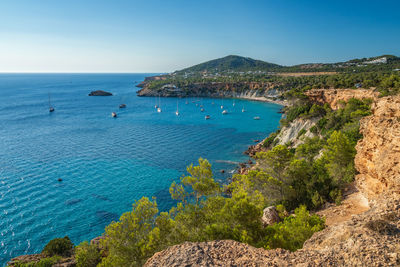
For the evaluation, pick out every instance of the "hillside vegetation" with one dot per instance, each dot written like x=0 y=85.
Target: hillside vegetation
x=232 y=63
x=239 y=74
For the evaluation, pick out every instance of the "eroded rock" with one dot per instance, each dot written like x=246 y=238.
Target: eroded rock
x=270 y=216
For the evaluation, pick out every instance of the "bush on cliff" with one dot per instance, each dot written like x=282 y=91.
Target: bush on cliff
x=316 y=171
x=203 y=213
x=87 y=255
x=59 y=246
x=293 y=230
x=45 y=262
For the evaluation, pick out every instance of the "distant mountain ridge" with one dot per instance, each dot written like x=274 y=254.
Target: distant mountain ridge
x=236 y=63
x=232 y=63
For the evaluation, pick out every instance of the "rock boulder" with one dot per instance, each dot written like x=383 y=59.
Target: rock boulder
x=100 y=93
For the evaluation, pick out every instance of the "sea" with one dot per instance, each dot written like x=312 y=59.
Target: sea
x=75 y=170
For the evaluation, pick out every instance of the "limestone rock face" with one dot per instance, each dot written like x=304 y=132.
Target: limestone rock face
x=270 y=216
x=217 y=253
x=250 y=90
x=378 y=153
x=289 y=134
x=334 y=96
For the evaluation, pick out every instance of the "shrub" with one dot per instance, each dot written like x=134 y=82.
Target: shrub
x=59 y=246
x=87 y=255
x=268 y=141
x=314 y=129
x=45 y=262
x=301 y=132
x=295 y=111
x=294 y=230
x=316 y=110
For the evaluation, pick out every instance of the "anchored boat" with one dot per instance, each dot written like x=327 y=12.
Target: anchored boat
x=51 y=108
x=177 y=108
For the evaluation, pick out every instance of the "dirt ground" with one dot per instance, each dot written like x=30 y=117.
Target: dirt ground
x=353 y=203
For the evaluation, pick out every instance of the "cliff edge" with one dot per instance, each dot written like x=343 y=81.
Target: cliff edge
x=371 y=238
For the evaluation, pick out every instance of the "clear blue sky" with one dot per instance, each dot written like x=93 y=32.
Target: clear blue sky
x=162 y=36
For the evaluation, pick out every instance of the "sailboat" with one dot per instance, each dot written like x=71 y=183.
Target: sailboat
x=155 y=106
x=51 y=109
x=159 y=105
x=233 y=104
x=222 y=105
x=243 y=110
x=177 y=108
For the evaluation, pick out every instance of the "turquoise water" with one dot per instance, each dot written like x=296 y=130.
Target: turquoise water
x=104 y=163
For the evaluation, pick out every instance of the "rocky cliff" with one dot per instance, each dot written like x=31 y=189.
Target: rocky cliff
x=334 y=97
x=248 y=90
x=378 y=153
x=371 y=238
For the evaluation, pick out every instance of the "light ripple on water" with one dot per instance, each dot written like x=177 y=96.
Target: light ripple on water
x=105 y=164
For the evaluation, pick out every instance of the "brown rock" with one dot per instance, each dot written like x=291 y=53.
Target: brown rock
x=335 y=96
x=270 y=216
x=378 y=153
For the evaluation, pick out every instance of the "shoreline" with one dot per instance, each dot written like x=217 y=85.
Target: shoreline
x=283 y=103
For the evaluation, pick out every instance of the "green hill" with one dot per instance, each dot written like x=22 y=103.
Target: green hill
x=232 y=63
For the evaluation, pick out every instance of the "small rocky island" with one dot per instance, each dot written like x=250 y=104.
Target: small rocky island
x=100 y=93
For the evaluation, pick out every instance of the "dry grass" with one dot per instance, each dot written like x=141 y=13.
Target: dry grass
x=299 y=74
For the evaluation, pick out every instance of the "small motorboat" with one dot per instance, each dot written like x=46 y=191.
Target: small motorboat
x=224 y=112
x=202 y=109
x=256 y=118
x=207 y=117
x=113 y=114
x=159 y=110
x=51 y=108
x=156 y=106
x=122 y=106
x=222 y=107
x=243 y=110
x=256 y=141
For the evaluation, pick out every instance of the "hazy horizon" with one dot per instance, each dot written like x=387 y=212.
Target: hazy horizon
x=158 y=37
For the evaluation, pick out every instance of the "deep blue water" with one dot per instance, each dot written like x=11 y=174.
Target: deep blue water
x=105 y=163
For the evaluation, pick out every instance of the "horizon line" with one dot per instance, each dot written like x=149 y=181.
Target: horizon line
x=33 y=72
